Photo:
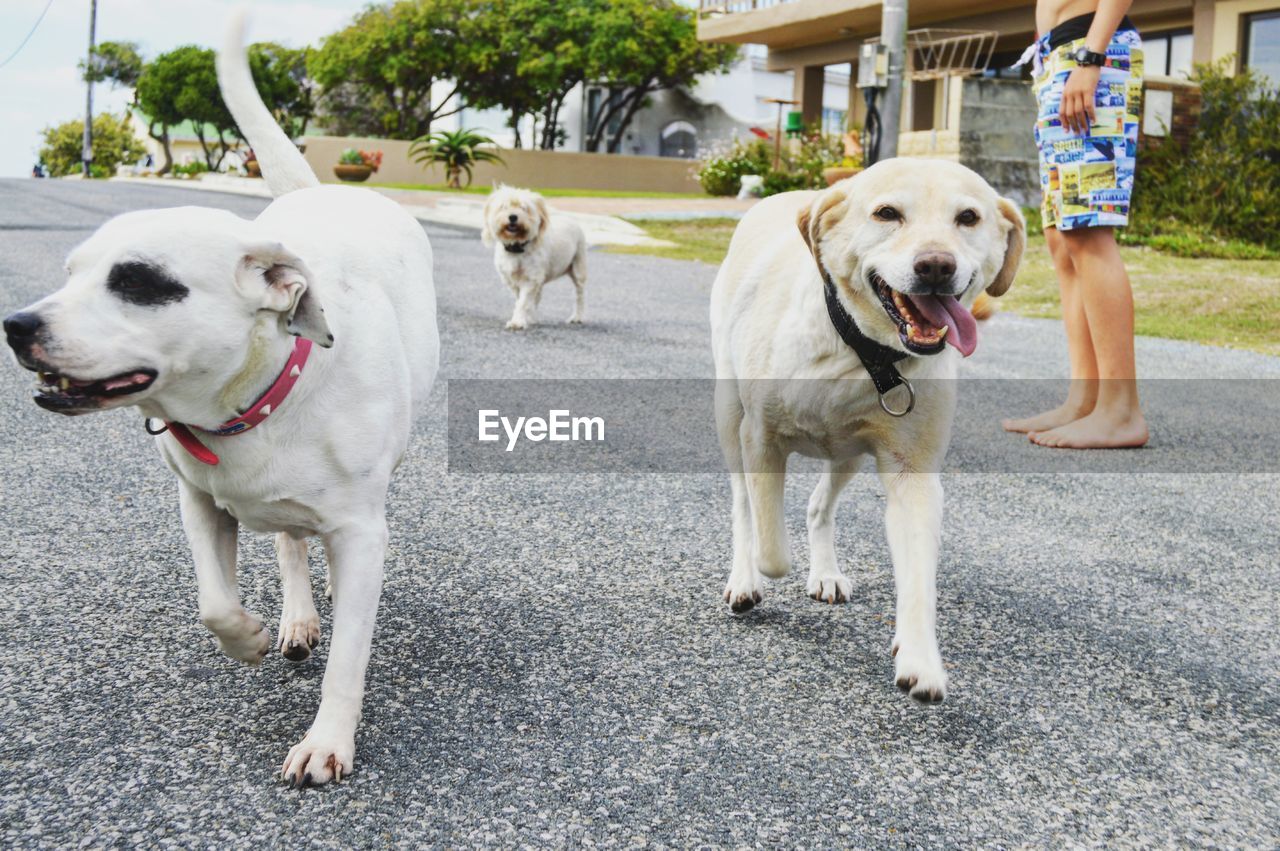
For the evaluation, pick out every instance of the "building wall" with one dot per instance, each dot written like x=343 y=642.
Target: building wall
x=996 y=138
x=1227 y=25
x=539 y=169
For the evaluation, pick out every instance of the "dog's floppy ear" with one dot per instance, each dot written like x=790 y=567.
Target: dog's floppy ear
x=813 y=220
x=544 y=217
x=281 y=283
x=1015 y=242
x=485 y=236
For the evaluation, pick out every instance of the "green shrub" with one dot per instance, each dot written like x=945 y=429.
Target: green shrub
x=190 y=169
x=800 y=167
x=721 y=175
x=113 y=144
x=1223 y=187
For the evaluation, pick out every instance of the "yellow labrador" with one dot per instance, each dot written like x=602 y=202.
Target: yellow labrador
x=828 y=315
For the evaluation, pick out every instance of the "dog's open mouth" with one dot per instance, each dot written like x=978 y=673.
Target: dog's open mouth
x=926 y=323
x=67 y=395
x=515 y=232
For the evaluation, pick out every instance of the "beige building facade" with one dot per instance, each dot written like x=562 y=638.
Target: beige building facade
x=804 y=36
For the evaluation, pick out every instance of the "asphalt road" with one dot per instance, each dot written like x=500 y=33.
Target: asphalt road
x=553 y=664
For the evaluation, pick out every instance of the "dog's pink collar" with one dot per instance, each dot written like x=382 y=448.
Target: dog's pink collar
x=258 y=412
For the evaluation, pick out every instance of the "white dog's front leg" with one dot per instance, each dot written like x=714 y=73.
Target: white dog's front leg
x=522 y=315
x=299 y=621
x=212 y=534
x=913 y=522
x=355 y=567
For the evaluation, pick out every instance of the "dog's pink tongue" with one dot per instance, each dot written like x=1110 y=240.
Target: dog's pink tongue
x=947 y=310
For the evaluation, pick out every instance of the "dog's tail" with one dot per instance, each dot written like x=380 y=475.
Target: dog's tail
x=984 y=307
x=282 y=165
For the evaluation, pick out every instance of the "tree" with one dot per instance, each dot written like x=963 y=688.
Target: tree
x=527 y=55
x=640 y=47
x=113 y=143
x=182 y=85
x=280 y=74
x=116 y=62
x=378 y=74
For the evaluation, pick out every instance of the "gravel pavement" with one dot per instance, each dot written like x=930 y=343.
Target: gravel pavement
x=553 y=664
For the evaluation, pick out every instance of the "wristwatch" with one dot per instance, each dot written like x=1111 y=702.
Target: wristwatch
x=1084 y=56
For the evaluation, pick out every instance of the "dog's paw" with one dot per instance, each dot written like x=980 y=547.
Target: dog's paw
x=829 y=587
x=918 y=671
x=299 y=637
x=743 y=591
x=241 y=636
x=517 y=325
x=575 y=319
x=319 y=758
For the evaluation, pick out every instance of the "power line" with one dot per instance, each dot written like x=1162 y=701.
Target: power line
x=34 y=27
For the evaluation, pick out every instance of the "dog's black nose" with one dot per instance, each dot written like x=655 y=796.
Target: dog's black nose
x=935 y=267
x=513 y=218
x=21 y=328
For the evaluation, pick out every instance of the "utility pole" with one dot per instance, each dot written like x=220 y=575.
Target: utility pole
x=893 y=35
x=86 y=153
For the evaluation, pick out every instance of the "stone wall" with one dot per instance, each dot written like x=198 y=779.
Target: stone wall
x=1185 y=98
x=539 y=169
x=997 y=137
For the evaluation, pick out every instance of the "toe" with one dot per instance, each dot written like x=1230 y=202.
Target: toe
x=296 y=652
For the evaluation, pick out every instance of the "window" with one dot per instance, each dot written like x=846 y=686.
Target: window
x=1261 y=45
x=598 y=100
x=833 y=120
x=679 y=139
x=1167 y=54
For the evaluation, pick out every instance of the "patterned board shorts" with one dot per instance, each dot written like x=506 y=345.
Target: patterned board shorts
x=1087 y=179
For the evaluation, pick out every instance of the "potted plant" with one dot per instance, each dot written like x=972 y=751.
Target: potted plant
x=851 y=164
x=458 y=151
x=356 y=166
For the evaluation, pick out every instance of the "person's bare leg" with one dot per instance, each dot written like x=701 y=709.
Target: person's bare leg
x=1116 y=419
x=1083 y=390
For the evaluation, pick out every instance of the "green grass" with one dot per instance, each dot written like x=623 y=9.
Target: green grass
x=550 y=193
x=695 y=239
x=1218 y=301
x=1221 y=302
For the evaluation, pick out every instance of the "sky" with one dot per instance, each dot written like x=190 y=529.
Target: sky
x=42 y=86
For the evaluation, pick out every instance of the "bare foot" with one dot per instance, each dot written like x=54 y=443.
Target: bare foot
x=1099 y=430
x=1065 y=413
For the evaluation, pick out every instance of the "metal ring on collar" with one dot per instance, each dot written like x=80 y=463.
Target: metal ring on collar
x=911 y=401
x=146 y=423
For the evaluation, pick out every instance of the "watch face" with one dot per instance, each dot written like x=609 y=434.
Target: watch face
x=1085 y=56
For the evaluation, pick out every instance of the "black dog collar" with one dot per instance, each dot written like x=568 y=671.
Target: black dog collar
x=514 y=247
x=878 y=358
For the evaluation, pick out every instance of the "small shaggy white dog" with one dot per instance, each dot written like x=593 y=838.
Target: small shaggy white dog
x=532 y=249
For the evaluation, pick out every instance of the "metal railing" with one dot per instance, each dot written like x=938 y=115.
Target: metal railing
x=709 y=8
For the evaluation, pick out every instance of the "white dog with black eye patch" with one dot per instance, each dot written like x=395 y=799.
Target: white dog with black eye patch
x=287 y=355
x=837 y=320
x=531 y=249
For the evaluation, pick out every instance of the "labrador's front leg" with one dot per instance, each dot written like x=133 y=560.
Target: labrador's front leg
x=913 y=521
x=327 y=752
x=766 y=472
x=212 y=534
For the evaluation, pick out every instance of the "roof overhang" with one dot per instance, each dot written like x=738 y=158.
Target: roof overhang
x=799 y=23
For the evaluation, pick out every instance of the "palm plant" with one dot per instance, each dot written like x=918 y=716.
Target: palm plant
x=458 y=151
